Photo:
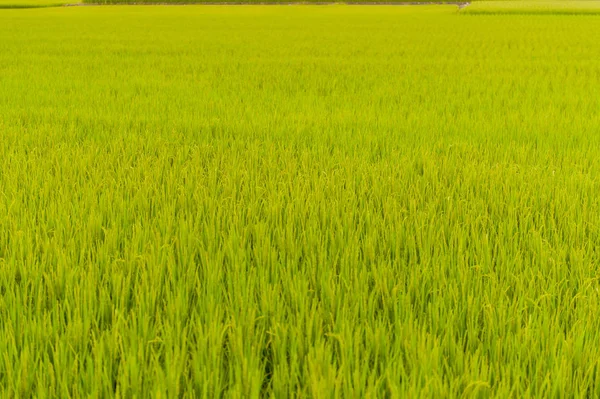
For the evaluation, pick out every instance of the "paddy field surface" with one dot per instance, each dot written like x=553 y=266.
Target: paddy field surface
x=298 y=201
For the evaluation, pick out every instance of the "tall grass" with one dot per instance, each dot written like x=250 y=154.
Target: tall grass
x=316 y=202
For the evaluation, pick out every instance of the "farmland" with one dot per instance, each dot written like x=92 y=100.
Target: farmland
x=552 y=7
x=298 y=202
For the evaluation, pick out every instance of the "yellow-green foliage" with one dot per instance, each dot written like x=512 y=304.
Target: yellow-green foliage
x=34 y=3
x=262 y=1
x=288 y=201
x=534 y=7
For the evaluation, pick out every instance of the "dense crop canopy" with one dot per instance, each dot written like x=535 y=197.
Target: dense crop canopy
x=292 y=201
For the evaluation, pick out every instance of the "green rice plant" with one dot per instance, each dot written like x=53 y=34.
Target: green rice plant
x=534 y=7
x=298 y=202
x=12 y=4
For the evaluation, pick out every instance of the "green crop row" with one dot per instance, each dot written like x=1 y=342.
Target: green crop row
x=298 y=202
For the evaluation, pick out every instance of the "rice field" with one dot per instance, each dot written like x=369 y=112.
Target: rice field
x=17 y=4
x=298 y=201
x=555 y=7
